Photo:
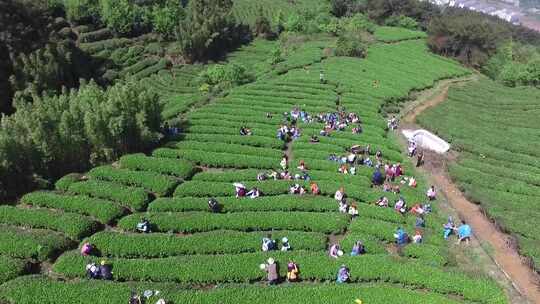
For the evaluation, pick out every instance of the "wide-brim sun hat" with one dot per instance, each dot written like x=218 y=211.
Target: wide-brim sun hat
x=262 y=266
x=270 y=261
x=284 y=240
x=340 y=253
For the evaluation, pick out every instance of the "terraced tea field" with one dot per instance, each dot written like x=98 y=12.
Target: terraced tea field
x=195 y=256
x=494 y=128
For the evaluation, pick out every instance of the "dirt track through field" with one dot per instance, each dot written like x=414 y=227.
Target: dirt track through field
x=524 y=279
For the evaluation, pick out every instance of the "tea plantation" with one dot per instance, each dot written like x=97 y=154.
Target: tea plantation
x=498 y=167
x=196 y=256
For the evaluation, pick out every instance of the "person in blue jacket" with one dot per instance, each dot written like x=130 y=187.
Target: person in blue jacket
x=464 y=233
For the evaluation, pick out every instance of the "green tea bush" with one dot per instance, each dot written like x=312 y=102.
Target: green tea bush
x=31 y=243
x=103 y=210
x=219 y=160
x=28 y=289
x=161 y=185
x=63 y=183
x=241 y=221
x=179 y=168
x=73 y=225
x=11 y=268
x=315 y=266
x=232 y=204
x=131 y=197
x=216 y=242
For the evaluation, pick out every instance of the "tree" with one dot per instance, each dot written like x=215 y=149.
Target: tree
x=208 y=29
x=81 y=11
x=342 y=8
x=48 y=69
x=350 y=46
x=402 y=21
x=467 y=36
x=23 y=29
x=122 y=16
x=165 y=18
x=74 y=130
x=262 y=26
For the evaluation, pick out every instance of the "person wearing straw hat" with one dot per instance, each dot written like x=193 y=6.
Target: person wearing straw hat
x=272 y=272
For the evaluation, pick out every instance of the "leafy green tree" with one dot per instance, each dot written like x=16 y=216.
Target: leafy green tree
x=467 y=36
x=208 y=29
x=513 y=75
x=123 y=16
x=225 y=75
x=48 y=69
x=262 y=26
x=342 y=8
x=166 y=17
x=74 y=130
x=82 y=10
x=402 y=21
x=350 y=46
x=533 y=72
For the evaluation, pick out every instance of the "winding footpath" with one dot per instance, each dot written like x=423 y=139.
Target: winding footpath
x=523 y=278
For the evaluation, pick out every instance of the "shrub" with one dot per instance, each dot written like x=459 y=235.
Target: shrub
x=131 y=197
x=11 y=268
x=219 y=160
x=402 y=21
x=242 y=221
x=314 y=266
x=179 y=168
x=73 y=225
x=226 y=75
x=63 y=183
x=104 y=211
x=232 y=204
x=161 y=185
x=31 y=243
x=28 y=289
x=347 y=46
x=216 y=242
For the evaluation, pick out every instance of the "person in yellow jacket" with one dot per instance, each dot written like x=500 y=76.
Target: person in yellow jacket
x=292 y=272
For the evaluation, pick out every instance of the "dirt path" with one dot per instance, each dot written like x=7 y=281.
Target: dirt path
x=523 y=278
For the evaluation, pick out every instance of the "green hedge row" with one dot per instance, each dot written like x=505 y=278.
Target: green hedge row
x=29 y=289
x=232 y=204
x=63 y=183
x=95 y=47
x=225 y=148
x=103 y=210
x=315 y=175
x=272 y=203
x=31 y=243
x=356 y=191
x=219 y=160
x=195 y=117
x=214 y=242
x=427 y=254
x=132 y=197
x=179 y=168
x=314 y=266
x=253 y=140
x=241 y=221
x=94 y=36
x=202 y=129
x=159 y=184
x=73 y=225
x=10 y=268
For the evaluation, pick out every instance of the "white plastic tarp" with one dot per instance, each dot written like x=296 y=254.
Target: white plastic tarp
x=427 y=140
